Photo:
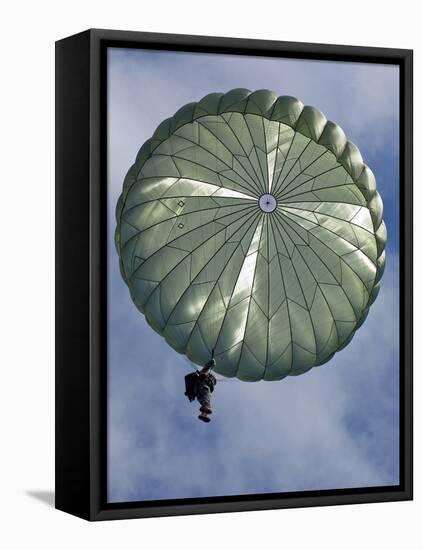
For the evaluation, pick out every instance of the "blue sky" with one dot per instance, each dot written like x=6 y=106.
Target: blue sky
x=335 y=426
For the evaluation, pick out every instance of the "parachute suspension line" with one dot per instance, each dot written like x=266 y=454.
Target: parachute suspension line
x=223 y=380
x=220 y=379
x=211 y=368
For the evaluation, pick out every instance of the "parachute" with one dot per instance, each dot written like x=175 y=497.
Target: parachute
x=250 y=227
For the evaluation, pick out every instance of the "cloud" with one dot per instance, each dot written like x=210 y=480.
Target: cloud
x=363 y=99
x=337 y=425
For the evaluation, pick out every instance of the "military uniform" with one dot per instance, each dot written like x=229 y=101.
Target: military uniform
x=205 y=386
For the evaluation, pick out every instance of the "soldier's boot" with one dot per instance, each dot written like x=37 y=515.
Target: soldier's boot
x=204 y=417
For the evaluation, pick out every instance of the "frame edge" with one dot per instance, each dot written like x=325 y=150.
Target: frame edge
x=72 y=385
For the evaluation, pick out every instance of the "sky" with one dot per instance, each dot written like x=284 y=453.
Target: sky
x=336 y=426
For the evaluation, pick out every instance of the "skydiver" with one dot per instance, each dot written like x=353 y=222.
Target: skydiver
x=200 y=385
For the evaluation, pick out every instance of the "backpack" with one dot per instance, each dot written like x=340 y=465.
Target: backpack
x=191 y=380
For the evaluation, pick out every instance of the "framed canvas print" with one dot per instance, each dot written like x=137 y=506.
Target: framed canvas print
x=234 y=274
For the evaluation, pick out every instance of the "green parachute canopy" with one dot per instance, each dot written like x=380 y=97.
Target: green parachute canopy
x=249 y=228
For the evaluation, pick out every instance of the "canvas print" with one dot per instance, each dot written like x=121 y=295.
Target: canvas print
x=252 y=275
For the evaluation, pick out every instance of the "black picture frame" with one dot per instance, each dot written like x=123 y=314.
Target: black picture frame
x=81 y=173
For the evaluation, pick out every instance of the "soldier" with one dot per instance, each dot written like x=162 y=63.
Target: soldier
x=199 y=385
